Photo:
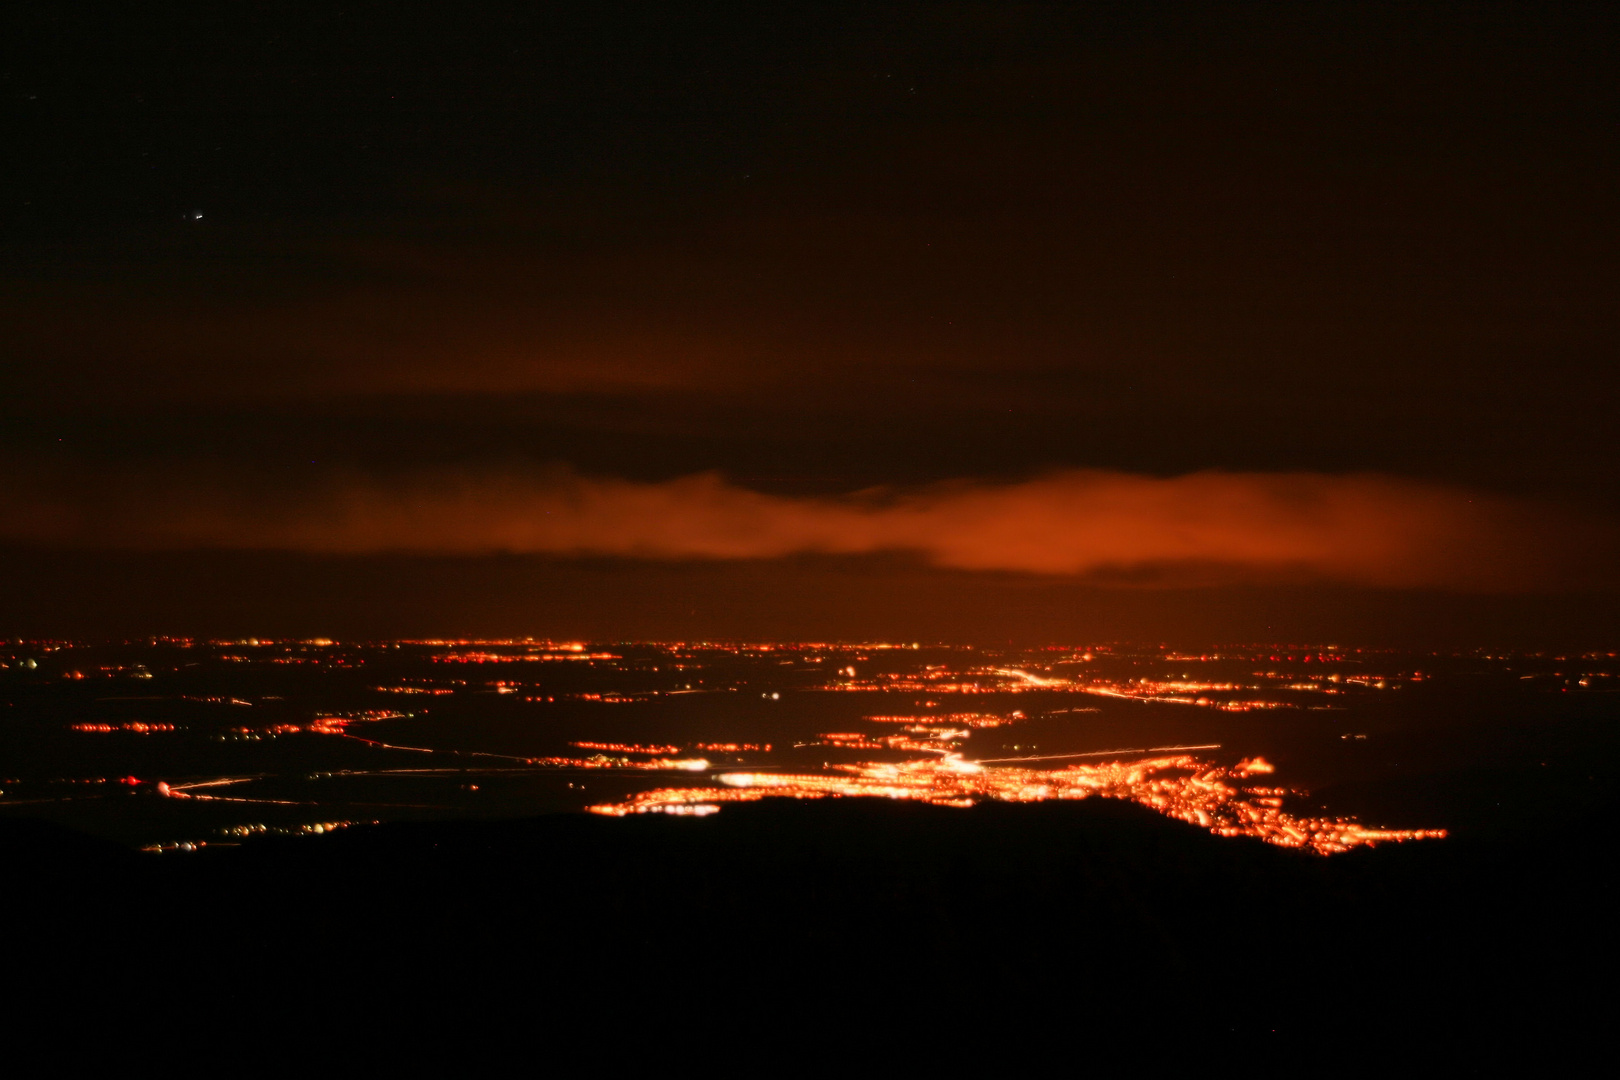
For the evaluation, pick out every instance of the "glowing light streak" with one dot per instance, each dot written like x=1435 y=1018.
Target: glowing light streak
x=1097 y=753
x=1029 y=679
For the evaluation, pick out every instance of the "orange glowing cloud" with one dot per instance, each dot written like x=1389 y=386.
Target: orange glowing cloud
x=1101 y=525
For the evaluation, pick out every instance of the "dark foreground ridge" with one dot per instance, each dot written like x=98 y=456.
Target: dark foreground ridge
x=832 y=927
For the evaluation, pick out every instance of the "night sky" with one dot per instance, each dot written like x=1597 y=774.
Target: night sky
x=950 y=321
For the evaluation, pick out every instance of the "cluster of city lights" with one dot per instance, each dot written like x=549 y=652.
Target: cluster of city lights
x=1213 y=797
x=887 y=725
x=968 y=719
x=626 y=748
x=479 y=656
x=140 y=727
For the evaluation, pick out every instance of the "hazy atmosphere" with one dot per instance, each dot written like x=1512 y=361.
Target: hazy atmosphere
x=1173 y=297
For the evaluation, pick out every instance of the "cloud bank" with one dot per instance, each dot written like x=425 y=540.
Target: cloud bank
x=1090 y=524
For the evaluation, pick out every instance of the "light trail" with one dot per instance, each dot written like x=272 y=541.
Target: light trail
x=1030 y=679
x=181 y=792
x=1095 y=753
x=218 y=783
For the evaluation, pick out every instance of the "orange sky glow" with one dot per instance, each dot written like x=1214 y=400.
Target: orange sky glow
x=1205 y=527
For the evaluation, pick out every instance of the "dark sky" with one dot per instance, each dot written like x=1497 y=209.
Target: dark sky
x=263 y=267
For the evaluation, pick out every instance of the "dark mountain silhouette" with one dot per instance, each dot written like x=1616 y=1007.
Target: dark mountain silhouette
x=840 y=927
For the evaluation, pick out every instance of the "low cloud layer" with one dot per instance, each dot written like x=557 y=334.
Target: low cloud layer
x=1088 y=524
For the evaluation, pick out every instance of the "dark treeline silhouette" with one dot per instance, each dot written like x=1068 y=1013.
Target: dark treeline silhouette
x=840 y=928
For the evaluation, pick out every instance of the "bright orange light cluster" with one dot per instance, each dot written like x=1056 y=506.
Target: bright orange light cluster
x=966 y=719
x=138 y=726
x=334 y=725
x=1208 y=795
x=602 y=761
x=627 y=748
x=481 y=657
